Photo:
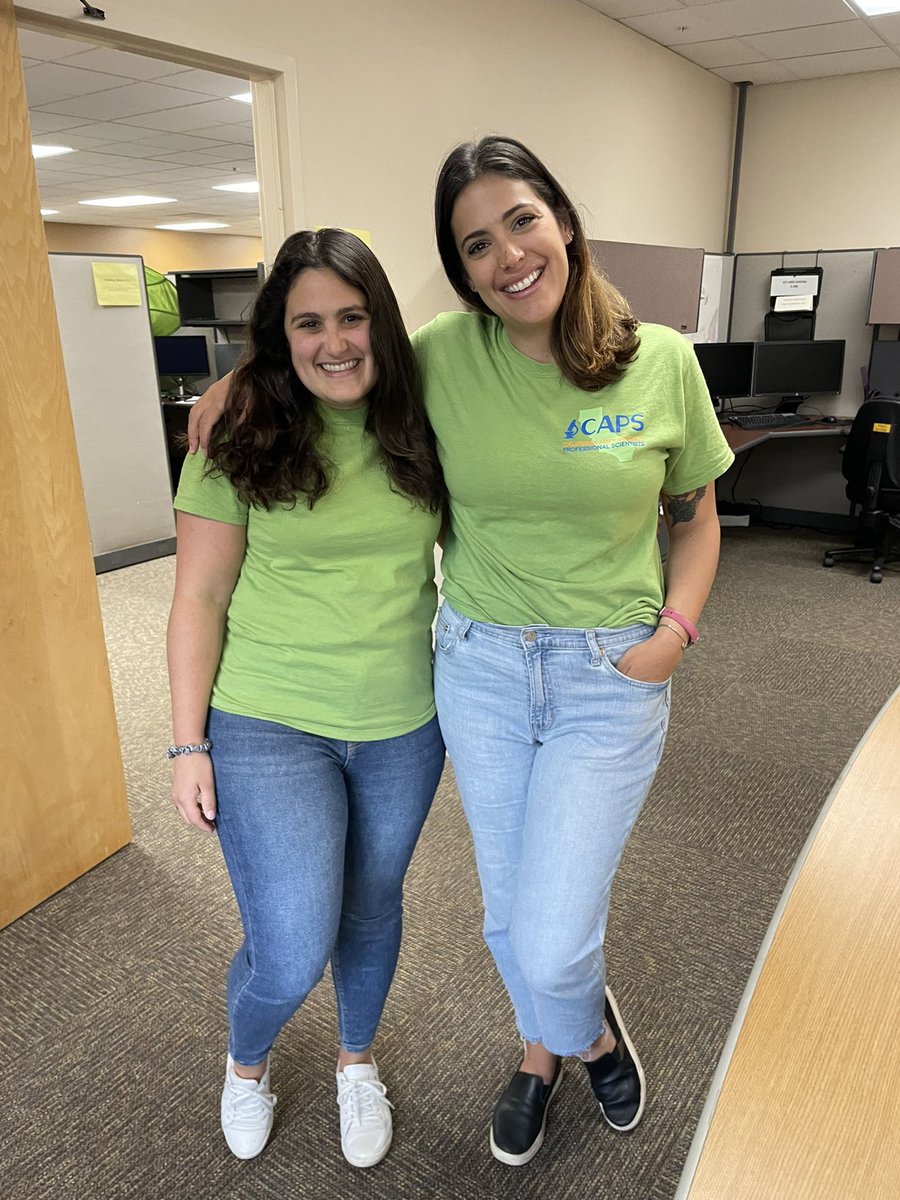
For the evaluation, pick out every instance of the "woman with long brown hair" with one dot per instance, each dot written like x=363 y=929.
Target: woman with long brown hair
x=300 y=665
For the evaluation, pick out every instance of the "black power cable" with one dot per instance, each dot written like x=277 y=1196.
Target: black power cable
x=91 y=11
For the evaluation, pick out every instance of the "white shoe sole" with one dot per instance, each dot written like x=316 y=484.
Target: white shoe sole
x=637 y=1062
x=519 y=1160
x=367 y=1162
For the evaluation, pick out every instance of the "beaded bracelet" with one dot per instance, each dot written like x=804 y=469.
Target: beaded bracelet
x=203 y=747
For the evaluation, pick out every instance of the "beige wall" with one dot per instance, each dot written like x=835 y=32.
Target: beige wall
x=385 y=88
x=163 y=250
x=821 y=166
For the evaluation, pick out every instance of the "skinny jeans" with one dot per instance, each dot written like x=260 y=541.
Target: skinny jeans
x=554 y=752
x=317 y=834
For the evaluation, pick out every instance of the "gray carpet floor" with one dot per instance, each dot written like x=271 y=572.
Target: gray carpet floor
x=112 y=1026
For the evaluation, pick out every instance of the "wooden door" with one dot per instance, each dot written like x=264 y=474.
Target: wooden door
x=62 y=792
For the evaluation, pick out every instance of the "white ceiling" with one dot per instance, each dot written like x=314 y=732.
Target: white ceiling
x=765 y=41
x=138 y=127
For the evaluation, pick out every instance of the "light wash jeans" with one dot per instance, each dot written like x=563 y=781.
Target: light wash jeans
x=554 y=752
x=317 y=835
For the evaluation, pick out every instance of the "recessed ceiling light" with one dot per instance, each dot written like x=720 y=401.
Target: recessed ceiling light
x=49 y=151
x=877 y=8
x=129 y=201
x=196 y=225
x=251 y=185
x=49 y=212
x=244 y=97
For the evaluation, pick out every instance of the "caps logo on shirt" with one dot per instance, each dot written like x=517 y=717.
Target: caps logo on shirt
x=613 y=432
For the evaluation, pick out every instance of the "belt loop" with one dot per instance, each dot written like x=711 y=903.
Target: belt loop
x=464 y=626
x=594 y=646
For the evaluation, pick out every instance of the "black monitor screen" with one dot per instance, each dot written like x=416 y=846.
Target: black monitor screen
x=226 y=355
x=884 y=369
x=797 y=368
x=727 y=367
x=187 y=355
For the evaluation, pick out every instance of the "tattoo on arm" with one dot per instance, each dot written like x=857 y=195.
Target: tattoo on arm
x=684 y=508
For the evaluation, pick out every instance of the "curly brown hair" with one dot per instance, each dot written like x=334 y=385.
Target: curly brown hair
x=268 y=443
x=594 y=331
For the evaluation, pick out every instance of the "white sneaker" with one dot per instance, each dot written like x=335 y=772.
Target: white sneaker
x=366 y=1124
x=246 y=1112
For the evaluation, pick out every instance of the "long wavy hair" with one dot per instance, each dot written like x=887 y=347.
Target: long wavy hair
x=594 y=331
x=268 y=444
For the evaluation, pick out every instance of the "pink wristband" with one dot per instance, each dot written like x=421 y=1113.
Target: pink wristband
x=688 y=626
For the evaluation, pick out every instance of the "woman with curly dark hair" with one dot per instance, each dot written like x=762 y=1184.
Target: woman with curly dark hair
x=300 y=665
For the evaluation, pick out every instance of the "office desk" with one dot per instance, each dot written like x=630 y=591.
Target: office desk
x=745 y=439
x=805 y=1103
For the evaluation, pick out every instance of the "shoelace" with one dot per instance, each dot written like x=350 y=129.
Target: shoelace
x=361 y=1100
x=246 y=1107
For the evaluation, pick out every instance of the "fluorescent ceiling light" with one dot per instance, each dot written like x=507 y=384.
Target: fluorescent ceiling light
x=49 y=151
x=196 y=225
x=244 y=97
x=49 y=212
x=250 y=186
x=877 y=8
x=129 y=201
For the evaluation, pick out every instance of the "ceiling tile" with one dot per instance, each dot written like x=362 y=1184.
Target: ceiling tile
x=110 y=131
x=722 y=53
x=42 y=123
x=131 y=66
x=222 y=155
x=887 y=27
x=209 y=83
x=738 y=18
x=756 y=73
x=47 y=48
x=850 y=62
x=156 y=142
x=821 y=39
x=123 y=103
x=676 y=28
x=49 y=82
x=227 y=133
x=630 y=8
x=196 y=116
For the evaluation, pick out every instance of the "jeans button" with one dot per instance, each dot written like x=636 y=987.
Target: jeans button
x=530 y=636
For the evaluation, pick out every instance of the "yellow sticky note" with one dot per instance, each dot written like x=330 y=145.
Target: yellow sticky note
x=116 y=283
x=879 y=427
x=364 y=235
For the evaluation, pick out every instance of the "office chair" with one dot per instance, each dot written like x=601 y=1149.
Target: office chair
x=871 y=466
x=789 y=326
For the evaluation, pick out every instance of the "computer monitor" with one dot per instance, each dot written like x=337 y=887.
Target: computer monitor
x=794 y=370
x=181 y=358
x=727 y=368
x=226 y=355
x=884 y=368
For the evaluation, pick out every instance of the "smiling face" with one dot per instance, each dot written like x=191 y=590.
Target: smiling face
x=513 y=250
x=327 y=324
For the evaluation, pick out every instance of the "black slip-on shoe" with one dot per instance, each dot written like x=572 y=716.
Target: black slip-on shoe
x=520 y=1117
x=618 y=1077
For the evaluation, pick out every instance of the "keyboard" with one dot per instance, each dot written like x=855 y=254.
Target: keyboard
x=767 y=420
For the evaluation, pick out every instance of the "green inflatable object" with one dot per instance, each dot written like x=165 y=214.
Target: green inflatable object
x=163 y=299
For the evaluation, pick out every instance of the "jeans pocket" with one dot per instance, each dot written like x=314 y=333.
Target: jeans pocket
x=445 y=629
x=612 y=656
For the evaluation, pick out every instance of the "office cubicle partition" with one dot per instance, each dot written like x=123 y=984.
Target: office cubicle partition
x=114 y=395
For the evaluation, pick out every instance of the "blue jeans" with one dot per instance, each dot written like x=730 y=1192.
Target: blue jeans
x=317 y=835
x=554 y=752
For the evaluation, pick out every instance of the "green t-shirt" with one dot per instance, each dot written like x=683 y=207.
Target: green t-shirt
x=329 y=625
x=555 y=491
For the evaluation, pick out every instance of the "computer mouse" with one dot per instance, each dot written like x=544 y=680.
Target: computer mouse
x=829 y=420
